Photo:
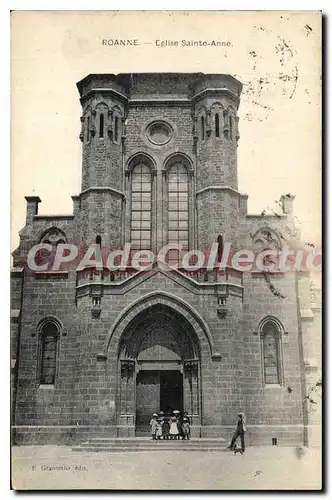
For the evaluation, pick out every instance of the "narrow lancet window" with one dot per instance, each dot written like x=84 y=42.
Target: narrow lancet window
x=217 y=127
x=88 y=130
x=48 y=353
x=231 y=127
x=101 y=126
x=116 y=129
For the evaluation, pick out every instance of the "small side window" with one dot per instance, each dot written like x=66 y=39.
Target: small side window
x=48 y=342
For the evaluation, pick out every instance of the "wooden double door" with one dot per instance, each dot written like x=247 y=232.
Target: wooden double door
x=157 y=390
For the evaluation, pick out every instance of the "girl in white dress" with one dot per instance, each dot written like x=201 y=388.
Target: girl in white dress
x=174 y=429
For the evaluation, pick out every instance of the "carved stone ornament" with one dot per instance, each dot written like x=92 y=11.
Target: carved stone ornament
x=159 y=133
x=191 y=365
x=101 y=357
x=222 y=312
x=96 y=290
x=95 y=311
x=54 y=236
x=127 y=366
x=81 y=136
x=110 y=132
x=222 y=307
x=208 y=129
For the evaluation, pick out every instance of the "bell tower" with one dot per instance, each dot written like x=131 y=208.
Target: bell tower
x=104 y=103
x=216 y=100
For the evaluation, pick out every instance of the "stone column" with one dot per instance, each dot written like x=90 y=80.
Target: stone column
x=187 y=391
x=191 y=383
x=127 y=394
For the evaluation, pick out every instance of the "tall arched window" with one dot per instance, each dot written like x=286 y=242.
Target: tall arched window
x=178 y=208
x=271 y=353
x=217 y=127
x=141 y=207
x=48 y=343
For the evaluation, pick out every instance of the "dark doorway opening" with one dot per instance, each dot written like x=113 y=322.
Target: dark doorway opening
x=157 y=390
x=171 y=391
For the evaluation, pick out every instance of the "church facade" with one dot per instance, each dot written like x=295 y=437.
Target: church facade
x=96 y=351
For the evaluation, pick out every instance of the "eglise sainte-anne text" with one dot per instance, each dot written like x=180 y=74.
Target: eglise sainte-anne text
x=192 y=43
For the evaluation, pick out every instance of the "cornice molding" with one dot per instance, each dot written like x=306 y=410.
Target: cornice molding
x=218 y=188
x=106 y=90
x=59 y=217
x=164 y=100
x=101 y=188
x=213 y=91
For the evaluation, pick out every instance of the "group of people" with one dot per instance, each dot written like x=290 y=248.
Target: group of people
x=170 y=426
x=177 y=426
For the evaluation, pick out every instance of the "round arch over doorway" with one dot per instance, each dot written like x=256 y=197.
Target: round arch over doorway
x=159 y=353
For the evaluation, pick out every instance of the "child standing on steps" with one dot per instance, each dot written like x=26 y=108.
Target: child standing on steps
x=159 y=431
x=185 y=428
x=165 y=428
x=174 y=429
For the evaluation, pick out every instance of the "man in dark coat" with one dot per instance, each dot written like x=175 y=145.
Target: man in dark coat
x=239 y=432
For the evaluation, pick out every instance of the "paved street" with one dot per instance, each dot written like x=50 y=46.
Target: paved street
x=259 y=468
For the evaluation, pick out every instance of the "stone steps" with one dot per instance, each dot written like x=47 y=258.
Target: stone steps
x=120 y=449
x=147 y=444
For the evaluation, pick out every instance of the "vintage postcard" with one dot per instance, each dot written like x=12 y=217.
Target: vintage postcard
x=166 y=250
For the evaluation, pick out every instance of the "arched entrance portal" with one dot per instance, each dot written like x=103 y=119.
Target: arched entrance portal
x=159 y=367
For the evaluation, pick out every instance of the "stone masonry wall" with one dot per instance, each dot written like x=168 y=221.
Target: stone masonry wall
x=45 y=297
x=220 y=389
x=138 y=118
x=271 y=405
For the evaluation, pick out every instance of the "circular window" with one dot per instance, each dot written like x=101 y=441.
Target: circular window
x=159 y=133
